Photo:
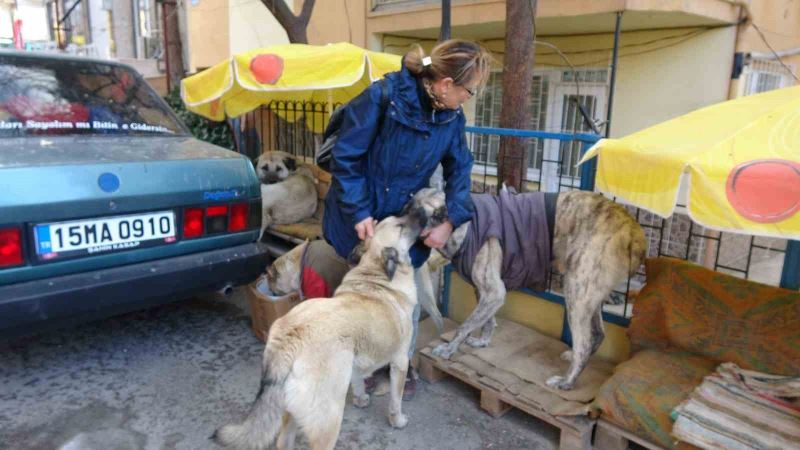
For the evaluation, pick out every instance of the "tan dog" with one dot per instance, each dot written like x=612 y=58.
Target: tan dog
x=274 y=166
x=323 y=345
x=596 y=245
x=288 y=191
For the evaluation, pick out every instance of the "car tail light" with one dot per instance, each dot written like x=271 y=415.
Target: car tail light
x=216 y=219
x=214 y=211
x=239 y=214
x=10 y=247
x=193 y=225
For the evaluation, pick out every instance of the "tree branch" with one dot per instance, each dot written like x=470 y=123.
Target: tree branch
x=280 y=10
x=305 y=13
x=295 y=26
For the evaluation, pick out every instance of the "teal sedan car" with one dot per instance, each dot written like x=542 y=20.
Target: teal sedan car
x=107 y=204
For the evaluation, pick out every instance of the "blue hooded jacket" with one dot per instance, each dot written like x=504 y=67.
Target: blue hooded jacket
x=379 y=163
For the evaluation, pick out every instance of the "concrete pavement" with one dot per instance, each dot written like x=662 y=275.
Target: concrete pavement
x=167 y=377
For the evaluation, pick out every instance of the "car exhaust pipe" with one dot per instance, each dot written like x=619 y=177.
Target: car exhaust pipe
x=225 y=291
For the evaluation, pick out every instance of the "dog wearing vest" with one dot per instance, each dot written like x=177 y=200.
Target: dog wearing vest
x=511 y=242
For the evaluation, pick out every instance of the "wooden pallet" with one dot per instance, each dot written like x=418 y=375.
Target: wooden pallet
x=576 y=432
x=611 y=437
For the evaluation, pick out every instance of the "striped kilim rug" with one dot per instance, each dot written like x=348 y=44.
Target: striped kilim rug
x=737 y=409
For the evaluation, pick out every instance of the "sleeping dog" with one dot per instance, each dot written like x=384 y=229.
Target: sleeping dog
x=510 y=243
x=288 y=192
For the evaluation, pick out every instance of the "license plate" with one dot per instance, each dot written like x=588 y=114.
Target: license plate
x=104 y=235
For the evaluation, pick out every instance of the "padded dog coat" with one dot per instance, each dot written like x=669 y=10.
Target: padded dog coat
x=520 y=223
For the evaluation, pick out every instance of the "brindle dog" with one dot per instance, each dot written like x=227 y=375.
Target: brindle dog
x=596 y=245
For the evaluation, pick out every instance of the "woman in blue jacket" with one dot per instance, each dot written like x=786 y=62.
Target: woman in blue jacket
x=387 y=151
x=393 y=137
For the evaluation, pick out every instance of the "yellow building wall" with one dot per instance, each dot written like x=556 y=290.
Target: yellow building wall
x=657 y=77
x=778 y=20
x=208 y=32
x=338 y=21
x=158 y=83
x=483 y=18
x=539 y=314
x=252 y=26
x=656 y=86
x=218 y=29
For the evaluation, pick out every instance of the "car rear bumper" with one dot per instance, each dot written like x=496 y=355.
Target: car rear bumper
x=40 y=304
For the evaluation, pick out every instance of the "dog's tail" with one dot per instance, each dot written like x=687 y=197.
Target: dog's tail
x=265 y=418
x=637 y=250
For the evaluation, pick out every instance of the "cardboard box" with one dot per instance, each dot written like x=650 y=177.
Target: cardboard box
x=266 y=308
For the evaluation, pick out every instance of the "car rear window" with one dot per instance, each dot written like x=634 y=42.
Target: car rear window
x=41 y=96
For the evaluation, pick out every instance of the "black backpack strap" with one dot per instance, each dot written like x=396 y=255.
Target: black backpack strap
x=337 y=117
x=385 y=100
x=384 y=94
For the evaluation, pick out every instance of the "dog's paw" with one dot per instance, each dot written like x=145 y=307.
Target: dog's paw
x=567 y=356
x=477 y=342
x=398 y=420
x=361 y=401
x=443 y=351
x=559 y=382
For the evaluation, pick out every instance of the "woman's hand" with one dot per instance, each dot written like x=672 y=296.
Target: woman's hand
x=366 y=228
x=437 y=236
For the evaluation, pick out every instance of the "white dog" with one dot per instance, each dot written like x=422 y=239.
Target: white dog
x=323 y=345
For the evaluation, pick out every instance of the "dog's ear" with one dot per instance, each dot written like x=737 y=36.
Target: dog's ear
x=391 y=258
x=356 y=253
x=290 y=164
x=408 y=206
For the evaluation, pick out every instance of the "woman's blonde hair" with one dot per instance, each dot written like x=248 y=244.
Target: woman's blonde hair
x=458 y=59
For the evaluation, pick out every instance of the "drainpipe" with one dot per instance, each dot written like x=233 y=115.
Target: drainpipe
x=135 y=29
x=613 y=83
x=589 y=168
x=733 y=83
x=57 y=24
x=444 y=32
x=166 y=43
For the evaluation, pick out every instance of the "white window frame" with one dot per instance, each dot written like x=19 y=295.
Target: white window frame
x=480 y=168
x=553 y=111
x=756 y=68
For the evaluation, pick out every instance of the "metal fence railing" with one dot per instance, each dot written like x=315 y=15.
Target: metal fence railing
x=295 y=127
x=766 y=260
x=292 y=127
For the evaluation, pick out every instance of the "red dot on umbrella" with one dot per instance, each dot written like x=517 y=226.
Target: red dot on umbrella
x=267 y=68
x=766 y=191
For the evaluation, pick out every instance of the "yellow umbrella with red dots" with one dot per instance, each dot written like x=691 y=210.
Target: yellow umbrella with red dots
x=740 y=162
x=333 y=73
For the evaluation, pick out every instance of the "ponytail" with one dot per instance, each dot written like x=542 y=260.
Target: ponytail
x=458 y=59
